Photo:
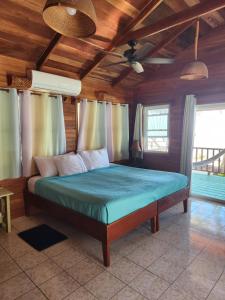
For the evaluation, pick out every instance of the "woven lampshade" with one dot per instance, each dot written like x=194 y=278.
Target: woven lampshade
x=194 y=71
x=72 y=18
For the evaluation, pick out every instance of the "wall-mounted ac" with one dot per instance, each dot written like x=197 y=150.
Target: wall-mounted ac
x=45 y=82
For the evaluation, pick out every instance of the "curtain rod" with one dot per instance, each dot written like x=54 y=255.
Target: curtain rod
x=107 y=102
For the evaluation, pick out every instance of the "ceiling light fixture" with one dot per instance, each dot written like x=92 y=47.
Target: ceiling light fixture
x=71 y=18
x=137 y=67
x=197 y=69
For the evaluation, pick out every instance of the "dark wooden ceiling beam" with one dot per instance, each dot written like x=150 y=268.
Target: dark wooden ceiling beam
x=44 y=56
x=148 y=8
x=188 y=14
x=164 y=43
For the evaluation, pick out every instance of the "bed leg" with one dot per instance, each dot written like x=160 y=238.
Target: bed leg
x=154 y=224
x=185 y=204
x=106 y=253
x=27 y=208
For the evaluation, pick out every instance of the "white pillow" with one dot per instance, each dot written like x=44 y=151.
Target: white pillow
x=95 y=159
x=47 y=166
x=70 y=164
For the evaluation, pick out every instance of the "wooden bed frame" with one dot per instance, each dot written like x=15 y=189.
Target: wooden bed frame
x=106 y=233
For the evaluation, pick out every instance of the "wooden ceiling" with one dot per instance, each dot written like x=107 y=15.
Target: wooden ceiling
x=26 y=42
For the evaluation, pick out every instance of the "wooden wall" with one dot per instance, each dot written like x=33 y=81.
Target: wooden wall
x=90 y=89
x=165 y=87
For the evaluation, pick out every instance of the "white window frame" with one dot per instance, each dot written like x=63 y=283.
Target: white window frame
x=146 y=124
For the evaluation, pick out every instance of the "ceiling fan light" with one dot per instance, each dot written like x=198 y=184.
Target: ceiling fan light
x=196 y=70
x=137 y=67
x=71 y=18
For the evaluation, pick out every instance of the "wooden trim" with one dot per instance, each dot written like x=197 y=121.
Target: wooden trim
x=180 y=18
x=173 y=199
x=44 y=57
x=147 y=9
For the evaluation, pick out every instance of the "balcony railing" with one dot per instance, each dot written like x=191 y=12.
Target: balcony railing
x=216 y=166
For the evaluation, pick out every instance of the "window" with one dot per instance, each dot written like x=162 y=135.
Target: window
x=156 y=128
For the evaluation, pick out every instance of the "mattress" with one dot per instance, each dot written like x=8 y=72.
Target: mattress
x=111 y=193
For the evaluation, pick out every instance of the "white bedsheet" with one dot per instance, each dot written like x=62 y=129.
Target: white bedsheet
x=31 y=183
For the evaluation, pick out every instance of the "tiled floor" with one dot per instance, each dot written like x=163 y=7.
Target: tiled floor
x=184 y=261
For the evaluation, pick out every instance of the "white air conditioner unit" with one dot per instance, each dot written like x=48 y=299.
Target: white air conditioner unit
x=45 y=82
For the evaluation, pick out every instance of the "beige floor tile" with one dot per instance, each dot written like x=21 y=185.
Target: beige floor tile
x=149 y=285
x=85 y=270
x=4 y=257
x=166 y=270
x=80 y=294
x=206 y=268
x=30 y=259
x=34 y=294
x=25 y=223
x=174 y=294
x=59 y=286
x=43 y=272
x=104 y=286
x=218 y=292
x=58 y=248
x=8 y=270
x=180 y=257
x=125 y=270
x=15 y=246
x=69 y=258
x=143 y=257
x=128 y=294
x=15 y=287
x=194 y=285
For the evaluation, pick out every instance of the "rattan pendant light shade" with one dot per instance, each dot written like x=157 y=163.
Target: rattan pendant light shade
x=72 y=18
x=196 y=69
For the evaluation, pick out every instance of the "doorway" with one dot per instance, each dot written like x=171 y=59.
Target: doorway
x=208 y=174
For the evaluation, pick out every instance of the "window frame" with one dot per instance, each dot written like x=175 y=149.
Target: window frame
x=167 y=105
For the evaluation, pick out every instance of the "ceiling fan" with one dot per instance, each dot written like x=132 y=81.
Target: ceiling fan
x=135 y=58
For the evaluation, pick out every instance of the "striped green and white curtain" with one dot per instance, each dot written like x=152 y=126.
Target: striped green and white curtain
x=10 y=154
x=43 y=128
x=104 y=125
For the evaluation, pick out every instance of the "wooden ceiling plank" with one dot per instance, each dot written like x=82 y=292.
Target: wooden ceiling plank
x=213 y=20
x=145 y=12
x=164 y=43
x=125 y=7
x=187 y=15
x=44 y=56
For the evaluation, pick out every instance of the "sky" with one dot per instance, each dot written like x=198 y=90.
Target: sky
x=210 y=129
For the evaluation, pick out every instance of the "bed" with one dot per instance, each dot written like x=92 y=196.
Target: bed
x=108 y=202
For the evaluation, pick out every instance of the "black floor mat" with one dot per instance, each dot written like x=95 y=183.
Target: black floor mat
x=42 y=237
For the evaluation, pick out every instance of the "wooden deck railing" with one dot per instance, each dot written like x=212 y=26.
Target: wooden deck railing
x=216 y=167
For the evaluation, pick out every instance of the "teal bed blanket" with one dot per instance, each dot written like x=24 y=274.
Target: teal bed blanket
x=109 y=194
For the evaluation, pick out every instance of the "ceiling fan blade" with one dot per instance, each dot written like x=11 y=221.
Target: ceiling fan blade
x=143 y=51
x=159 y=60
x=114 y=64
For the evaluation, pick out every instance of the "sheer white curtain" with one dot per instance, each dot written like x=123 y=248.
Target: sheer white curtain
x=10 y=162
x=138 y=147
x=43 y=129
x=188 y=136
x=102 y=125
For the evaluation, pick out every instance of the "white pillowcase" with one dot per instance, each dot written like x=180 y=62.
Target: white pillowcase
x=70 y=164
x=47 y=166
x=95 y=159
